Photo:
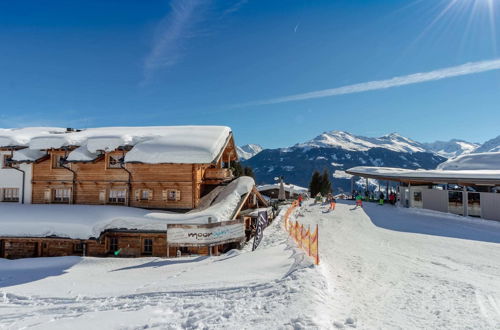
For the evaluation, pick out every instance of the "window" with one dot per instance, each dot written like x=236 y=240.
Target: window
x=144 y=194
x=147 y=247
x=79 y=247
x=10 y=195
x=417 y=196
x=7 y=163
x=113 y=244
x=117 y=196
x=114 y=161
x=173 y=195
x=62 y=195
x=57 y=161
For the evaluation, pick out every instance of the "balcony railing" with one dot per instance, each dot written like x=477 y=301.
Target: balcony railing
x=218 y=174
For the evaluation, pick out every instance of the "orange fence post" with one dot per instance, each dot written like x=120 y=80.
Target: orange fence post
x=317 y=244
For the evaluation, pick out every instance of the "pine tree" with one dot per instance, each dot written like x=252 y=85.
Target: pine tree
x=325 y=184
x=248 y=171
x=237 y=169
x=315 y=184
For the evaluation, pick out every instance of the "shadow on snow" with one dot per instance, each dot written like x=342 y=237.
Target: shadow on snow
x=21 y=271
x=428 y=222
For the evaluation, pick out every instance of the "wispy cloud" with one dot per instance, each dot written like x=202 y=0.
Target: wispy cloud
x=178 y=25
x=234 y=7
x=417 y=78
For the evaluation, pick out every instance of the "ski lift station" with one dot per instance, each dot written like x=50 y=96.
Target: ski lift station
x=468 y=185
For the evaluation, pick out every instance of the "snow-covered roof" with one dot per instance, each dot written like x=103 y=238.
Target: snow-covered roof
x=82 y=154
x=86 y=221
x=155 y=144
x=182 y=144
x=21 y=137
x=479 y=161
x=288 y=187
x=398 y=174
x=28 y=155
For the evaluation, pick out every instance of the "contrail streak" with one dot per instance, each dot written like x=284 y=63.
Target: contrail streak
x=416 y=78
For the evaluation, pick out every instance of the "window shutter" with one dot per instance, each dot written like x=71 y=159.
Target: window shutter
x=165 y=194
x=177 y=195
x=150 y=194
x=102 y=196
x=137 y=193
x=47 y=195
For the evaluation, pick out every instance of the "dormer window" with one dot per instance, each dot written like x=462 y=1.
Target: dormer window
x=7 y=162
x=58 y=161
x=114 y=161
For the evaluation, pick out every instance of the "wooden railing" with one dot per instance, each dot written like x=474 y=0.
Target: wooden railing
x=218 y=174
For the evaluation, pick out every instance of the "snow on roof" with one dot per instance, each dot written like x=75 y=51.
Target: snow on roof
x=27 y=155
x=20 y=137
x=288 y=187
x=82 y=154
x=182 y=144
x=86 y=221
x=155 y=144
x=399 y=173
x=479 y=161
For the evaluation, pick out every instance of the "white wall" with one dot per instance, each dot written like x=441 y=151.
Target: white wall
x=490 y=206
x=11 y=178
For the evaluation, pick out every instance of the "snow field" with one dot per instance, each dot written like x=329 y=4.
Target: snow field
x=275 y=287
x=392 y=268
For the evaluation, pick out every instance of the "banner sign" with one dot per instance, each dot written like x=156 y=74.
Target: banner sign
x=259 y=231
x=206 y=234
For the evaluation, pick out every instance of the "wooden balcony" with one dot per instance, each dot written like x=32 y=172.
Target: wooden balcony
x=218 y=174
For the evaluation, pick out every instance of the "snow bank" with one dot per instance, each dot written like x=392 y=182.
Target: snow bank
x=86 y=221
x=480 y=161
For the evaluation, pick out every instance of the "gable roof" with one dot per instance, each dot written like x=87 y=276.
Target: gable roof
x=152 y=145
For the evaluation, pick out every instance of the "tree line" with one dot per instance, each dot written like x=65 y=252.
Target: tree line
x=320 y=183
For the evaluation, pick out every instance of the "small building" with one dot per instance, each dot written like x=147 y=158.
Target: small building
x=291 y=191
x=49 y=230
x=468 y=185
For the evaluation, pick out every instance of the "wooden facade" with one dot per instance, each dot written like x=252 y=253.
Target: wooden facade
x=107 y=180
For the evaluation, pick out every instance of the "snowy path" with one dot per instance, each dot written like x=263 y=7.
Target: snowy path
x=272 y=288
x=408 y=276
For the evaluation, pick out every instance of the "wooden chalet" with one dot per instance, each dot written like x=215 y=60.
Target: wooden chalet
x=166 y=168
x=104 y=177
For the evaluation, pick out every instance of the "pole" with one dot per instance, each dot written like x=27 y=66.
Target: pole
x=465 y=200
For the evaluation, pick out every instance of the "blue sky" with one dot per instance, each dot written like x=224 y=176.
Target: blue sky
x=108 y=63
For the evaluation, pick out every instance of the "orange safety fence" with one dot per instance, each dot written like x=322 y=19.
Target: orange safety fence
x=305 y=239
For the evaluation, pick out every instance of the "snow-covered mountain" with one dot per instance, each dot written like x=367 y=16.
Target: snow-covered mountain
x=452 y=148
x=338 y=151
x=248 y=151
x=492 y=145
x=346 y=141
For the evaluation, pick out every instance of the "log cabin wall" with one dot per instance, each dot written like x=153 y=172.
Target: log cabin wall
x=49 y=176
x=162 y=186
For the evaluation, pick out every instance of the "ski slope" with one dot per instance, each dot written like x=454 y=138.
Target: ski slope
x=392 y=268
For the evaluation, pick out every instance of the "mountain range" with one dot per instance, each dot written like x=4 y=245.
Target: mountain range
x=337 y=151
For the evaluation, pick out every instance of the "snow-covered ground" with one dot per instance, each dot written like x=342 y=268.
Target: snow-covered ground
x=391 y=268
x=271 y=288
x=381 y=268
